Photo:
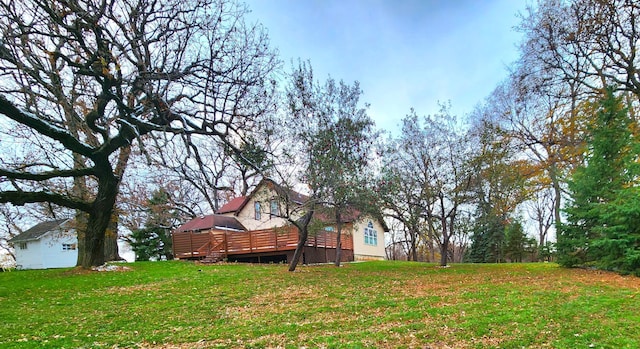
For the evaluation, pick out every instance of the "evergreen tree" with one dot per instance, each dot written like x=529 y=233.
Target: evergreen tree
x=487 y=241
x=144 y=243
x=516 y=243
x=603 y=218
x=154 y=240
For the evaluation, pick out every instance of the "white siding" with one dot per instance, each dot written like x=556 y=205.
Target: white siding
x=362 y=250
x=53 y=254
x=47 y=252
x=31 y=257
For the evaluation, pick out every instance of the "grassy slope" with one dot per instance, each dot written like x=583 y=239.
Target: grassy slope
x=361 y=305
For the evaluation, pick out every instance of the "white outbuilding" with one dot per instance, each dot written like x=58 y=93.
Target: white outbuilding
x=50 y=244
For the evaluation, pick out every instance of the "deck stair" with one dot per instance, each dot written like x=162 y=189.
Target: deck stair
x=214 y=251
x=213 y=257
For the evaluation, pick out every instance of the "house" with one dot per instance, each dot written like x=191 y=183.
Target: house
x=50 y=244
x=267 y=236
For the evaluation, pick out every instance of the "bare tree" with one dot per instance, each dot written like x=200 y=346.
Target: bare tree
x=404 y=186
x=539 y=211
x=589 y=44
x=450 y=177
x=426 y=180
x=10 y=227
x=85 y=81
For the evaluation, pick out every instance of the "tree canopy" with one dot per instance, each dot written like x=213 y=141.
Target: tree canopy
x=85 y=81
x=602 y=218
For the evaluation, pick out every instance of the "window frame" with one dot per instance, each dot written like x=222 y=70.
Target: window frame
x=257 y=214
x=370 y=235
x=274 y=203
x=69 y=247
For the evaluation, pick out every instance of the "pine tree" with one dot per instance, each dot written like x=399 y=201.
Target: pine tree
x=487 y=241
x=516 y=242
x=154 y=240
x=603 y=218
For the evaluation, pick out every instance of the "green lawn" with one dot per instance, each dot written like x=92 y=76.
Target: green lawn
x=361 y=305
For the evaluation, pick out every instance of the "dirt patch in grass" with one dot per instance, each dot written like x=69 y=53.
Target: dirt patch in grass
x=592 y=277
x=102 y=268
x=126 y=290
x=193 y=345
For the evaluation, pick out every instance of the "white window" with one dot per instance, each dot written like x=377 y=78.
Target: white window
x=275 y=208
x=370 y=235
x=68 y=247
x=256 y=207
x=22 y=245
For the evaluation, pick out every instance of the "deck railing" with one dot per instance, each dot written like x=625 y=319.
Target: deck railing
x=201 y=244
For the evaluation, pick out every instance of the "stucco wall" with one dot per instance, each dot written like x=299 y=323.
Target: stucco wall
x=247 y=215
x=363 y=251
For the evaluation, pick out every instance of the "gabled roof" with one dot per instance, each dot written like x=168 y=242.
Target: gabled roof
x=212 y=221
x=232 y=206
x=38 y=230
x=236 y=205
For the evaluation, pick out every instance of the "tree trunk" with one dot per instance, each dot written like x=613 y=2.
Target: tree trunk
x=444 y=251
x=444 y=248
x=557 y=192
x=338 y=238
x=91 y=241
x=303 y=231
x=432 y=248
x=303 y=234
x=111 y=251
x=414 y=245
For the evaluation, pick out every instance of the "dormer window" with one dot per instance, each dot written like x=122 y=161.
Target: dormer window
x=256 y=207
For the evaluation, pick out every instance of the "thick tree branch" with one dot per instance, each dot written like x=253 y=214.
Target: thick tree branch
x=20 y=198
x=47 y=175
x=65 y=138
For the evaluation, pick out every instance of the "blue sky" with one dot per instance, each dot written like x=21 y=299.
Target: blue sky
x=405 y=53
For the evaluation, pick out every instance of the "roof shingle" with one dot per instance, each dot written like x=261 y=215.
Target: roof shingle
x=210 y=222
x=232 y=206
x=35 y=232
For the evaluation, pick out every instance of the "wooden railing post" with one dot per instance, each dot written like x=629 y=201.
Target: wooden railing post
x=226 y=244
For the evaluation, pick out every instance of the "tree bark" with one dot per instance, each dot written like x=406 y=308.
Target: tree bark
x=303 y=234
x=414 y=244
x=446 y=233
x=93 y=237
x=338 y=238
x=303 y=231
x=557 y=207
x=111 y=250
x=432 y=248
x=445 y=244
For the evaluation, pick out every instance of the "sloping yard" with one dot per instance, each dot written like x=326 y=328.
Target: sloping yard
x=360 y=305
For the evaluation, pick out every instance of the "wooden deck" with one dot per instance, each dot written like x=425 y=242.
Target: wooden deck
x=195 y=245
